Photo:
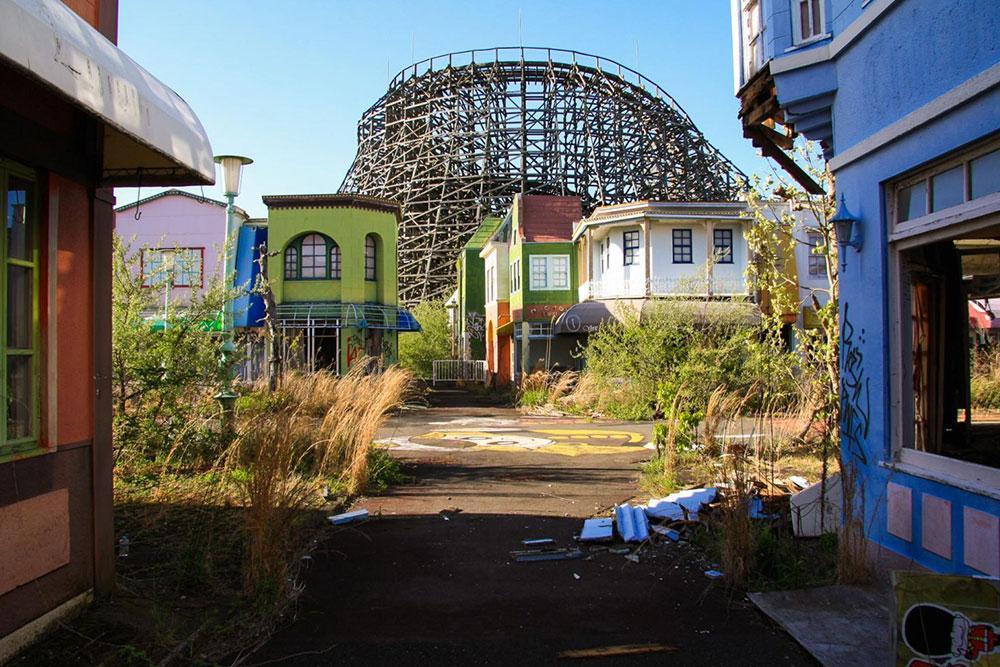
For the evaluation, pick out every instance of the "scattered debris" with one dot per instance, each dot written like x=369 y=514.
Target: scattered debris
x=756 y=509
x=348 y=517
x=669 y=533
x=800 y=482
x=632 y=557
x=538 y=541
x=596 y=530
x=616 y=651
x=807 y=519
x=576 y=576
x=546 y=554
x=619 y=551
x=681 y=505
x=632 y=523
x=713 y=574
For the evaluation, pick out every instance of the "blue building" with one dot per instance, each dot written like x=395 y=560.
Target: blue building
x=905 y=97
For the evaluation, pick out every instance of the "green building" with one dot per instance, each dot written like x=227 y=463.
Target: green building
x=332 y=269
x=470 y=323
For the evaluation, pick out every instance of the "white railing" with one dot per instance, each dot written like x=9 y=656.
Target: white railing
x=458 y=370
x=663 y=286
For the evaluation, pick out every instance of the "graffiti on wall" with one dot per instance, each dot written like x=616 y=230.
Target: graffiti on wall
x=855 y=395
x=475 y=325
x=388 y=350
x=355 y=347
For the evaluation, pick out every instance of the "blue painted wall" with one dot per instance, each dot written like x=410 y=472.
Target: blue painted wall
x=916 y=52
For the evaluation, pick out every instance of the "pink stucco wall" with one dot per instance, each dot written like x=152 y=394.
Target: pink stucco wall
x=178 y=221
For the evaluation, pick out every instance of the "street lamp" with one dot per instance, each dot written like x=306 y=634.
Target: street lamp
x=847 y=229
x=232 y=175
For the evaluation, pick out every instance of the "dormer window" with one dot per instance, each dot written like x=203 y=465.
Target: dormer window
x=807 y=20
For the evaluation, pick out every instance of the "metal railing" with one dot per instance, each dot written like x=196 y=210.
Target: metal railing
x=458 y=370
x=662 y=286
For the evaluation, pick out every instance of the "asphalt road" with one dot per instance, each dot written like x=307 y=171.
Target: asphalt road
x=429 y=578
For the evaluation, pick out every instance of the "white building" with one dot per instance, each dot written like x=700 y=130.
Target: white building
x=652 y=249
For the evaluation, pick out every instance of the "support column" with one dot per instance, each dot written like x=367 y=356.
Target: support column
x=646 y=259
x=710 y=254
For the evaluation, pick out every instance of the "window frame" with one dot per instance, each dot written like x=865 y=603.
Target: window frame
x=948 y=223
x=146 y=279
x=295 y=245
x=13 y=447
x=631 y=245
x=685 y=245
x=550 y=271
x=515 y=276
x=817 y=24
x=728 y=256
x=817 y=263
x=371 y=258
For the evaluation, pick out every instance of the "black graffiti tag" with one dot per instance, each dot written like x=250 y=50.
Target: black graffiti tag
x=855 y=397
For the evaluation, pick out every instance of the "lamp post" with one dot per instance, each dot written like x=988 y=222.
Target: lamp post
x=232 y=174
x=847 y=229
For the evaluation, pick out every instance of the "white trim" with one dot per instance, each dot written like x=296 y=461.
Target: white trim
x=971 y=477
x=941 y=223
x=957 y=96
x=838 y=44
x=806 y=42
x=795 y=7
x=30 y=632
x=549 y=273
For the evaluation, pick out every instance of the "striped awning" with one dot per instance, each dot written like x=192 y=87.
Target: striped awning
x=346 y=315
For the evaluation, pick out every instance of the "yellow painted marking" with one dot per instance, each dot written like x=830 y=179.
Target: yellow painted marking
x=590 y=434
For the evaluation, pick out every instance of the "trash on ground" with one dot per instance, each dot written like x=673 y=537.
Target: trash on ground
x=576 y=576
x=798 y=481
x=632 y=523
x=713 y=574
x=618 y=551
x=546 y=554
x=538 y=541
x=596 y=530
x=632 y=557
x=805 y=506
x=669 y=533
x=681 y=505
x=348 y=517
x=756 y=509
x=616 y=651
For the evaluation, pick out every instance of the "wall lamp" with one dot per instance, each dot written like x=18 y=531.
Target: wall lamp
x=847 y=229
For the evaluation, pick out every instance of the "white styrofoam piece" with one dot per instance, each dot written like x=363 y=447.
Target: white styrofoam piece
x=632 y=523
x=596 y=529
x=348 y=517
x=673 y=507
x=798 y=481
x=806 y=513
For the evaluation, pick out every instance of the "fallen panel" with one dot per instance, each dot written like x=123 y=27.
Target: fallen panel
x=596 y=530
x=632 y=523
x=838 y=625
x=348 y=517
x=681 y=505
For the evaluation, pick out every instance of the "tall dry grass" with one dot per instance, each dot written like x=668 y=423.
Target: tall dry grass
x=738 y=542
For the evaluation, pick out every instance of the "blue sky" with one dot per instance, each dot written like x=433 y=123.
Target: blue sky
x=285 y=82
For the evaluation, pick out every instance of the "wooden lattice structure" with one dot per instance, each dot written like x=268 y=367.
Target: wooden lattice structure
x=457 y=136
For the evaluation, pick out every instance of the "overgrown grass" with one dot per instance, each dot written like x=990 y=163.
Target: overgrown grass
x=985 y=382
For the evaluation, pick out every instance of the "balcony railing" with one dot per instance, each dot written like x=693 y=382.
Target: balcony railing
x=662 y=287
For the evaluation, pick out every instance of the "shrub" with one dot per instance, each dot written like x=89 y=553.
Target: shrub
x=418 y=350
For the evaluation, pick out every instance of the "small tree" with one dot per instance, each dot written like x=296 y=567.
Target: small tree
x=418 y=350
x=164 y=372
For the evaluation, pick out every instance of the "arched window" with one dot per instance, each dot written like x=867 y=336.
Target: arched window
x=334 y=260
x=291 y=262
x=369 y=257
x=313 y=257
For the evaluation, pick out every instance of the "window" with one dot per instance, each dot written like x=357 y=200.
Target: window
x=515 y=275
x=182 y=267
x=753 y=55
x=491 y=289
x=817 y=262
x=630 y=243
x=370 y=257
x=540 y=329
x=682 y=247
x=975 y=175
x=943 y=422
x=723 y=240
x=19 y=255
x=549 y=272
x=312 y=257
x=604 y=254
x=334 y=261
x=807 y=20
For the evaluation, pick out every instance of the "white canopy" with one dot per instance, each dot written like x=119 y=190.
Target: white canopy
x=150 y=132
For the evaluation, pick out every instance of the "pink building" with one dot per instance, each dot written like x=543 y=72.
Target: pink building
x=179 y=234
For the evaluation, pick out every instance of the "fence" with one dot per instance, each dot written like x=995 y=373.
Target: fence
x=458 y=370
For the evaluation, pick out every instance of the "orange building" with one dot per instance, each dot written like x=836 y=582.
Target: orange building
x=79 y=117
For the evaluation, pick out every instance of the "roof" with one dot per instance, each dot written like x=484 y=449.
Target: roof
x=151 y=135
x=333 y=201
x=483 y=233
x=736 y=211
x=174 y=192
x=548 y=218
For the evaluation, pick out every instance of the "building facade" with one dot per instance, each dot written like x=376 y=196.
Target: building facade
x=331 y=267
x=469 y=328
x=80 y=117
x=903 y=95
x=179 y=238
